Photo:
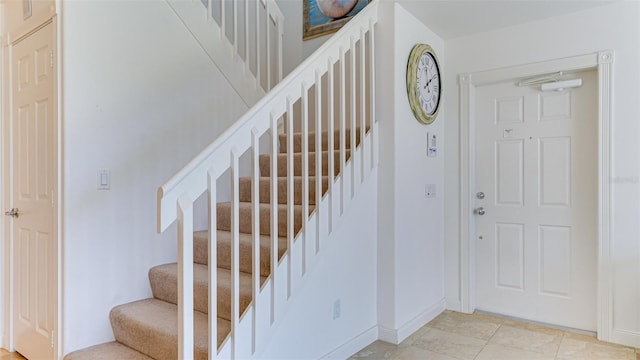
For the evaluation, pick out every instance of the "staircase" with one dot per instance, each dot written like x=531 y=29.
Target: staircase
x=147 y=329
x=284 y=204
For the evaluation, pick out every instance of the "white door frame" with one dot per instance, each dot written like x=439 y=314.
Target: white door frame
x=468 y=82
x=6 y=189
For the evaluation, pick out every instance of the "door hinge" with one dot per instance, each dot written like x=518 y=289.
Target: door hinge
x=51 y=58
x=52 y=338
x=52 y=200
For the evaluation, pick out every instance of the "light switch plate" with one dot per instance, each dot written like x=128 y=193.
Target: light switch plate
x=104 y=179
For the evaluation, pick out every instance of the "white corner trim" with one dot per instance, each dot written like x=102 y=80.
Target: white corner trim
x=603 y=62
x=605 y=271
x=354 y=345
x=397 y=336
x=466 y=176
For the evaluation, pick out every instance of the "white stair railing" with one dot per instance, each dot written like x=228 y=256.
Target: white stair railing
x=242 y=37
x=336 y=82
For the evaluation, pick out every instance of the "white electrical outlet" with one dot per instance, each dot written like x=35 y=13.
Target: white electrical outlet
x=430 y=191
x=336 y=309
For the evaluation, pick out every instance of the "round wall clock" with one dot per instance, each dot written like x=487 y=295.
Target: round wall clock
x=424 y=86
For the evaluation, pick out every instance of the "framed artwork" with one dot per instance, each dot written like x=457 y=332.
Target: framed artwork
x=323 y=17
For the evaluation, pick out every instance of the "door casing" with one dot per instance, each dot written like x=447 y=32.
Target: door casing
x=6 y=188
x=468 y=82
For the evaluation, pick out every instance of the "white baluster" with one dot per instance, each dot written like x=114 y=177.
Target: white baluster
x=318 y=155
x=331 y=134
x=213 y=261
x=372 y=93
x=223 y=16
x=258 y=64
x=352 y=108
x=363 y=101
x=235 y=250
x=247 y=58
x=185 y=278
x=305 y=171
x=255 y=216
x=274 y=212
x=235 y=28
x=268 y=47
x=290 y=192
x=280 y=51
x=343 y=115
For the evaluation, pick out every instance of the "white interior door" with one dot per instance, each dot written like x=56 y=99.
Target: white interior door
x=536 y=163
x=33 y=176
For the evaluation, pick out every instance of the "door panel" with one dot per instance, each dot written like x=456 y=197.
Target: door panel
x=34 y=182
x=536 y=161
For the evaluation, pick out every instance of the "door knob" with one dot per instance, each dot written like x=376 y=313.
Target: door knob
x=479 y=211
x=13 y=212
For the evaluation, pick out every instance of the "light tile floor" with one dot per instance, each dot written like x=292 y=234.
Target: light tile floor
x=456 y=336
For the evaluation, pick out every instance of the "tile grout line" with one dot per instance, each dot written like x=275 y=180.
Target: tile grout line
x=558 y=349
x=488 y=341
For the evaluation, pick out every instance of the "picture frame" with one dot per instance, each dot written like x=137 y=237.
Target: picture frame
x=322 y=17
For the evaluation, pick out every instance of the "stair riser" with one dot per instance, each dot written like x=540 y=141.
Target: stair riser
x=200 y=251
x=265 y=164
x=264 y=192
x=164 y=286
x=245 y=223
x=297 y=141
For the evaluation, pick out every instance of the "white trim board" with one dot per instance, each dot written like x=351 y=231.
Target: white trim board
x=396 y=336
x=354 y=345
x=468 y=82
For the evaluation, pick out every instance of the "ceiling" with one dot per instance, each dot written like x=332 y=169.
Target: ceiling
x=452 y=18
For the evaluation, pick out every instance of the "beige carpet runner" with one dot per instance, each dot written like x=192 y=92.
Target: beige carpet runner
x=148 y=329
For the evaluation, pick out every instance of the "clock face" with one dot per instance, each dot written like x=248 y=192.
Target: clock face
x=428 y=83
x=424 y=85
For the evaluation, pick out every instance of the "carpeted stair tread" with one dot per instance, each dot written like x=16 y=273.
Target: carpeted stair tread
x=107 y=351
x=164 y=285
x=150 y=326
x=297 y=140
x=264 y=191
x=265 y=163
x=223 y=213
x=201 y=248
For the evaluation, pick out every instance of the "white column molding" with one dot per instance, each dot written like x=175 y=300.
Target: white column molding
x=465 y=175
x=605 y=271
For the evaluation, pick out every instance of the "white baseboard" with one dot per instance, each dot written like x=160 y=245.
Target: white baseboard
x=396 y=336
x=625 y=337
x=354 y=345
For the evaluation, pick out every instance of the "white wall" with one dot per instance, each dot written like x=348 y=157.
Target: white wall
x=410 y=242
x=140 y=98
x=346 y=271
x=616 y=27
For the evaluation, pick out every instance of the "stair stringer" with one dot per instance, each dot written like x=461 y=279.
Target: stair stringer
x=194 y=15
x=344 y=212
